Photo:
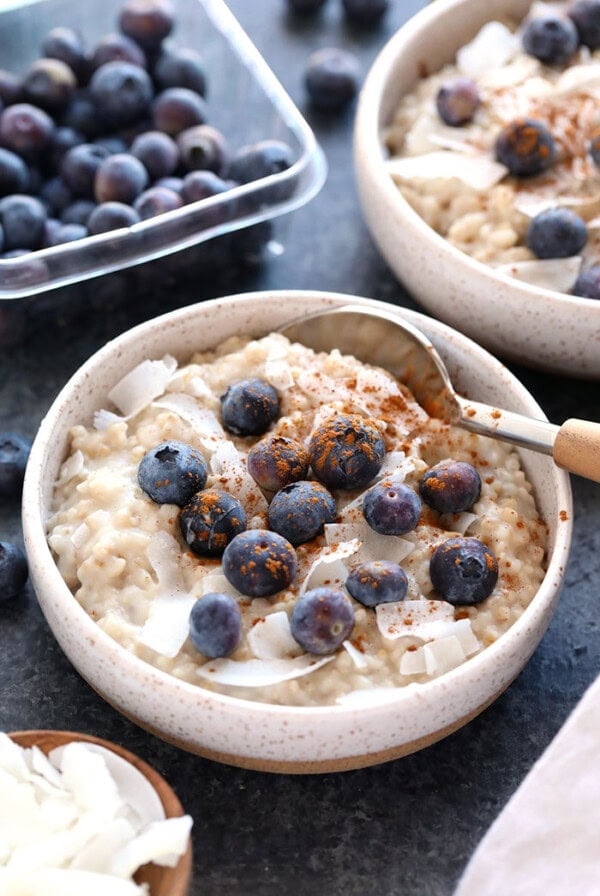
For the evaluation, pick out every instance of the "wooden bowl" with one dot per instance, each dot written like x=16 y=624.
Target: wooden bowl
x=161 y=880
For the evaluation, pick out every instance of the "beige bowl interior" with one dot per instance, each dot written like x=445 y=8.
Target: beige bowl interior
x=534 y=326
x=278 y=738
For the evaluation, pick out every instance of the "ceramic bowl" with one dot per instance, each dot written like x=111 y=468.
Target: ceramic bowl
x=251 y=734
x=537 y=327
x=161 y=880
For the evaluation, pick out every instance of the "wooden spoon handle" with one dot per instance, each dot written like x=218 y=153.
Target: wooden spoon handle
x=577 y=448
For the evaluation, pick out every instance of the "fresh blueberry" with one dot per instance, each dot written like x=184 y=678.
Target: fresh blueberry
x=25 y=129
x=277 y=461
x=82 y=116
x=249 y=407
x=216 y=625
x=210 y=521
x=22 y=219
x=14 y=453
x=346 y=451
x=365 y=12
x=172 y=473
x=259 y=563
x=13 y=173
x=120 y=178
x=377 y=582
x=78 y=212
x=176 y=109
x=322 y=620
x=587 y=284
x=147 y=22
x=50 y=84
x=67 y=45
x=157 y=201
x=300 y=510
x=391 y=508
x=174 y=184
x=112 y=216
x=526 y=147
x=51 y=230
x=117 y=48
x=457 y=101
x=114 y=144
x=63 y=139
x=13 y=570
x=463 y=571
x=450 y=487
x=10 y=87
x=65 y=233
x=556 y=233
x=122 y=92
x=551 y=39
x=202 y=148
x=585 y=14
x=36 y=180
x=157 y=152
x=259 y=160
x=179 y=67
x=331 y=79
x=199 y=185
x=79 y=167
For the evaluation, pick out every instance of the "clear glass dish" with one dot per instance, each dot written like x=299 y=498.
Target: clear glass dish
x=245 y=101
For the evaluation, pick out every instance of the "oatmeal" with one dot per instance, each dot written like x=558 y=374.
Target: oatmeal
x=142 y=568
x=448 y=149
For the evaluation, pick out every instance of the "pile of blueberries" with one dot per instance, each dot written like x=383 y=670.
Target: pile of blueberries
x=91 y=141
x=526 y=146
x=14 y=452
x=346 y=452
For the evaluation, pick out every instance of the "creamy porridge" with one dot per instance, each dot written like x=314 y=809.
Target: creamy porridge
x=127 y=563
x=454 y=174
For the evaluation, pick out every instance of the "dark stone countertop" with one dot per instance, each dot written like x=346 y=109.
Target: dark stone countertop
x=408 y=826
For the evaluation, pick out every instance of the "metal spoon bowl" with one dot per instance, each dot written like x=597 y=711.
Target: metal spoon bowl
x=386 y=341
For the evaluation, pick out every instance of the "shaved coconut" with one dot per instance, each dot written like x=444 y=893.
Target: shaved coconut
x=229 y=465
x=578 y=79
x=42 y=765
x=458 y=522
x=368 y=697
x=439 y=656
x=492 y=47
x=162 y=842
x=12 y=758
x=373 y=546
x=65 y=882
x=429 y=130
x=260 y=673
x=86 y=777
x=97 y=854
x=406 y=618
x=357 y=657
x=203 y=421
x=59 y=847
x=271 y=637
x=200 y=388
x=515 y=73
x=216 y=582
x=481 y=172
x=413 y=662
x=80 y=535
x=558 y=274
x=137 y=389
x=103 y=419
x=167 y=625
x=71 y=467
x=328 y=568
x=20 y=821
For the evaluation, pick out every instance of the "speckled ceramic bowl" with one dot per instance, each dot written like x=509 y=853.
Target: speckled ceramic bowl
x=537 y=327
x=256 y=735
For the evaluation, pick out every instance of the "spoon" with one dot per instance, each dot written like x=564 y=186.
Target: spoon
x=384 y=340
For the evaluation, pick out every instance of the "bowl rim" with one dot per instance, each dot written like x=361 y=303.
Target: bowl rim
x=41 y=560
x=368 y=145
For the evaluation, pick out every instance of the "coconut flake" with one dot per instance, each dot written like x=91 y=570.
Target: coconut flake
x=410 y=618
x=64 y=882
x=203 y=421
x=162 y=842
x=86 y=777
x=329 y=568
x=270 y=638
x=515 y=73
x=481 y=172
x=103 y=419
x=558 y=274
x=368 y=697
x=72 y=467
x=373 y=546
x=97 y=854
x=138 y=388
x=492 y=47
x=260 y=673
x=440 y=655
x=356 y=656
x=458 y=522
x=578 y=79
x=413 y=662
x=216 y=583
x=229 y=466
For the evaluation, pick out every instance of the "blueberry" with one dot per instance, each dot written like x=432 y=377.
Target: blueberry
x=22 y=219
x=551 y=39
x=147 y=22
x=587 y=284
x=14 y=453
x=56 y=194
x=249 y=407
x=13 y=570
x=10 y=87
x=210 y=520
x=120 y=178
x=216 y=625
x=172 y=473
x=67 y=45
x=259 y=563
x=331 y=79
x=111 y=216
x=526 y=147
x=13 y=173
x=365 y=12
x=65 y=233
x=157 y=201
x=300 y=510
x=391 y=508
x=277 y=461
x=82 y=116
x=174 y=184
x=322 y=620
x=79 y=167
x=63 y=139
x=25 y=128
x=463 y=571
x=259 y=160
x=585 y=14
x=177 y=109
x=450 y=487
x=117 y=48
x=556 y=233
x=305 y=6
x=36 y=180
x=346 y=451
x=51 y=229
x=78 y=212
x=157 y=152
x=202 y=148
x=457 y=101
x=50 y=84
x=377 y=582
x=122 y=92
x=199 y=185
x=179 y=67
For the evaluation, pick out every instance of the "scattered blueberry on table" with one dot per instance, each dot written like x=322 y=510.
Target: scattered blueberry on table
x=14 y=454
x=13 y=570
x=331 y=79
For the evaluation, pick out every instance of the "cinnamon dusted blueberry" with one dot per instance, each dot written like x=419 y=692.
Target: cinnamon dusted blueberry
x=249 y=407
x=463 y=571
x=346 y=451
x=210 y=521
x=526 y=147
x=277 y=461
x=322 y=620
x=377 y=582
x=259 y=563
x=450 y=487
x=172 y=473
x=300 y=510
